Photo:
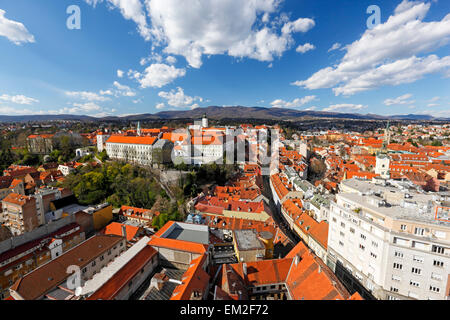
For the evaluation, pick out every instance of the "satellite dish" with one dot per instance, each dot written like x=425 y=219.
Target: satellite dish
x=78 y=291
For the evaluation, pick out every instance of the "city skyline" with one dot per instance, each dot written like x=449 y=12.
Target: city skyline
x=133 y=57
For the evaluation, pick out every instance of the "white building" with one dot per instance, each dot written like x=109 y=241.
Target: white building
x=131 y=149
x=382 y=165
x=390 y=242
x=101 y=141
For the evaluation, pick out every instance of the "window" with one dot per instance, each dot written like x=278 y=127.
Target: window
x=397 y=266
x=334 y=219
x=102 y=258
x=398 y=254
x=414 y=284
x=375 y=244
x=373 y=255
x=121 y=244
x=109 y=252
x=363 y=237
x=352 y=230
x=416 y=270
x=438 y=263
x=403 y=227
x=434 y=289
x=361 y=247
x=437 y=249
x=93 y=263
x=341 y=243
x=418 y=259
x=396 y=278
x=342 y=234
x=419 y=231
x=436 y=276
x=394 y=289
x=342 y=225
x=84 y=270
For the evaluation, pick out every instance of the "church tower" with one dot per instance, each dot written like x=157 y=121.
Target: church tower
x=204 y=121
x=382 y=160
x=139 y=129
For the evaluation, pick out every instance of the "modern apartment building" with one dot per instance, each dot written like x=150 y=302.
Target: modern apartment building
x=385 y=241
x=19 y=213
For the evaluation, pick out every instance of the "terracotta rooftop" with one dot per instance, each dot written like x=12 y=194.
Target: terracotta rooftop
x=37 y=283
x=132 y=140
x=110 y=289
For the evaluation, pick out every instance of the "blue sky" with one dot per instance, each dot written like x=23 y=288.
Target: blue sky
x=145 y=56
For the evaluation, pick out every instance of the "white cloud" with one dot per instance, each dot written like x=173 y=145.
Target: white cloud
x=160 y=106
x=86 y=95
x=345 y=107
x=15 y=31
x=106 y=92
x=434 y=99
x=86 y=107
x=299 y=25
x=305 y=47
x=19 y=99
x=179 y=100
x=402 y=100
x=298 y=102
x=120 y=73
x=335 y=46
x=124 y=90
x=387 y=54
x=7 y=110
x=130 y=10
x=433 y=105
x=158 y=75
x=204 y=27
x=171 y=60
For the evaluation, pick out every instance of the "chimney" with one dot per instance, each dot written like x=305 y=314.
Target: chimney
x=296 y=260
x=124 y=231
x=320 y=269
x=244 y=269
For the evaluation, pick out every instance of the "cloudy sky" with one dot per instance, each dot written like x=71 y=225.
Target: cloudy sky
x=140 y=56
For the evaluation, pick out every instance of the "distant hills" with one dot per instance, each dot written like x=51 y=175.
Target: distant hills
x=232 y=112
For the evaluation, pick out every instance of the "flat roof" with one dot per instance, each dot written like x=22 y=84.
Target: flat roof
x=247 y=240
x=187 y=232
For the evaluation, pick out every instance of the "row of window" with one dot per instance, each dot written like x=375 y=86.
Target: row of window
x=415 y=284
x=436 y=263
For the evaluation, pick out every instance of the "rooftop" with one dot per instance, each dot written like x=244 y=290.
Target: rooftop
x=247 y=240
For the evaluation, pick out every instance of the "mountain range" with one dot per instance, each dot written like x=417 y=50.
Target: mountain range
x=217 y=113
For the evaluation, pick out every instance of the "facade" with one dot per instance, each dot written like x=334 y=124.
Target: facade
x=130 y=148
x=40 y=143
x=30 y=255
x=248 y=246
x=101 y=141
x=388 y=242
x=49 y=282
x=122 y=277
x=382 y=165
x=19 y=213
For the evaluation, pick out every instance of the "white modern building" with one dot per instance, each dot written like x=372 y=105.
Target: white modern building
x=386 y=240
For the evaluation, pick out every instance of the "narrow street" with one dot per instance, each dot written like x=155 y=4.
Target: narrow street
x=276 y=215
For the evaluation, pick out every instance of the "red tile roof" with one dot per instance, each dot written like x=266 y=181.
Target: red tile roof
x=132 y=140
x=110 y=289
